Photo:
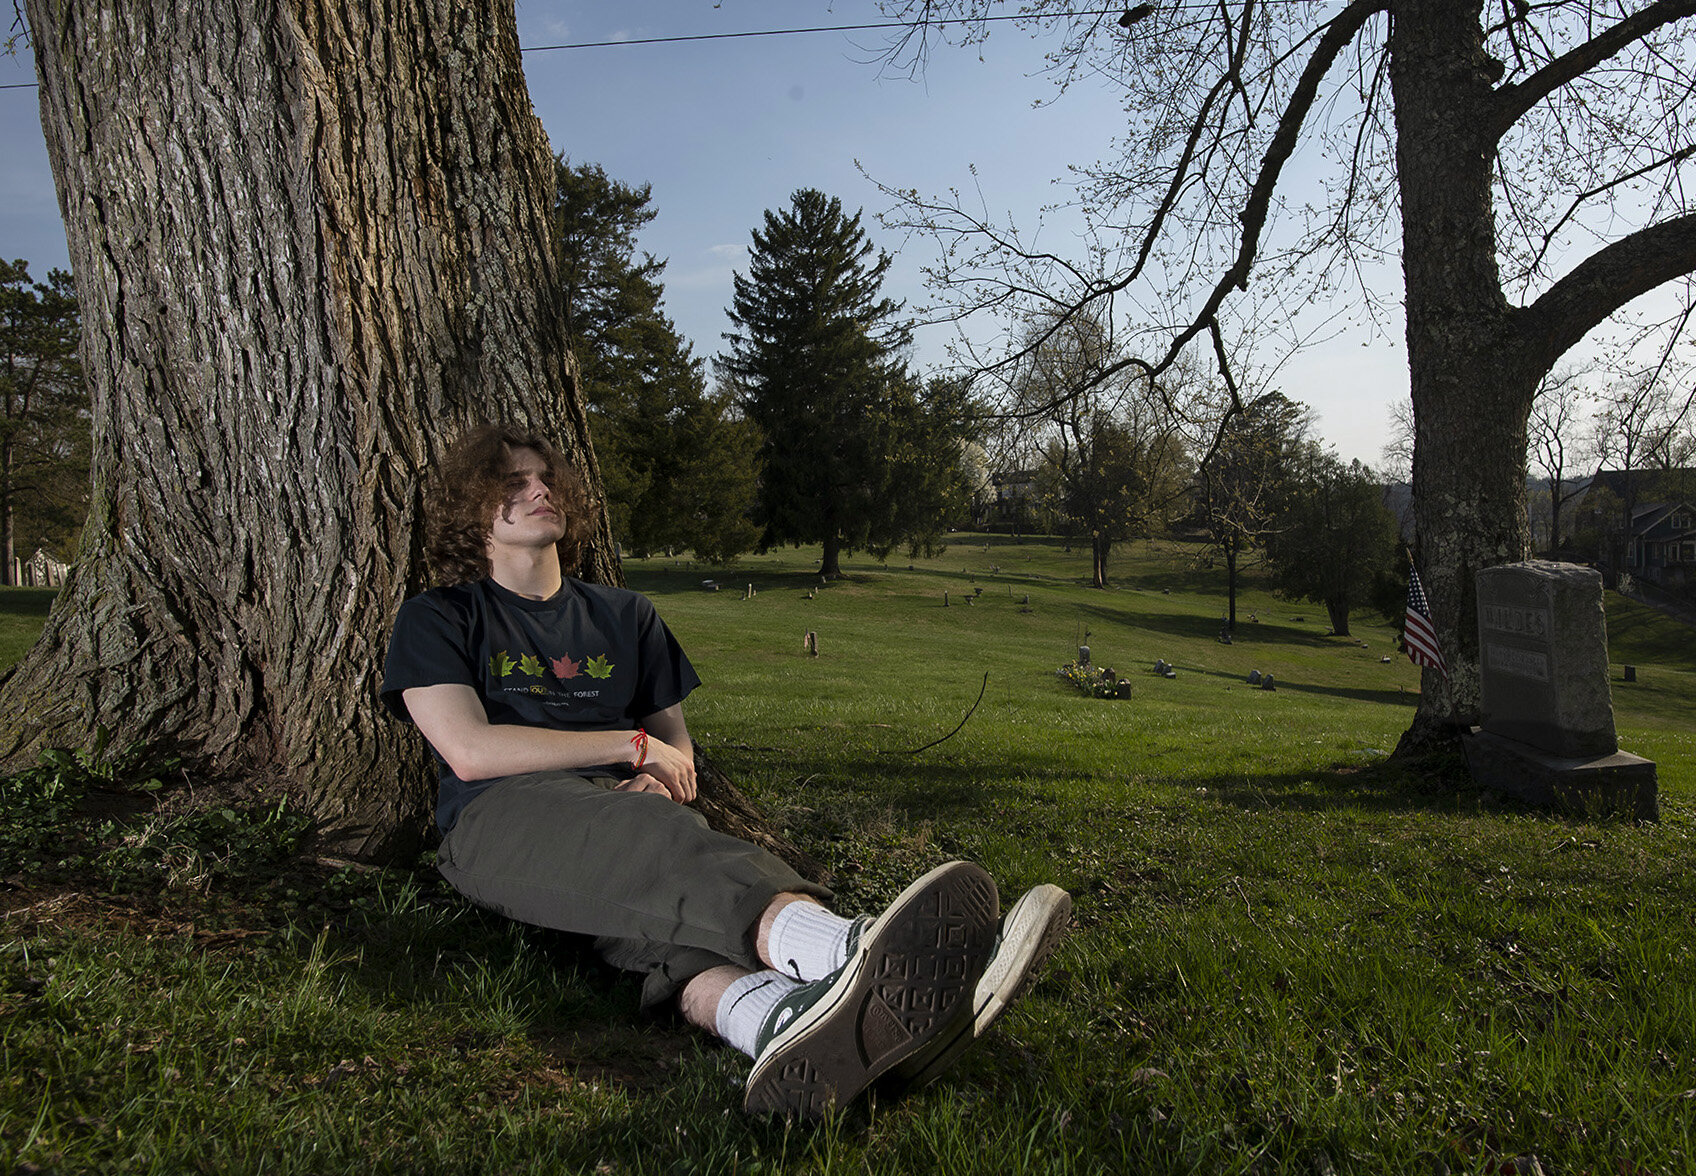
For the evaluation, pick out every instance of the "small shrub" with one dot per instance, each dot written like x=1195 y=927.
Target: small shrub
x=48 y=830
x=40 y=802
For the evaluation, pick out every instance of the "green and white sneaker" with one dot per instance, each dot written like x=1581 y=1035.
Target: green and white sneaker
x=909 y=978
x=1033 y=929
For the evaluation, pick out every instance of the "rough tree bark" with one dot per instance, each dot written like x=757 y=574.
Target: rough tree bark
x=1472 y=387
x=311 y=238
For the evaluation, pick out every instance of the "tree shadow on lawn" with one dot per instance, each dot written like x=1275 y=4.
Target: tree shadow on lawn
x=1438 y=786
x=936 y=789
x=1386 y=697
x=670 y=581
x=585 y=1026
x=1180 y=624
x=941 y=792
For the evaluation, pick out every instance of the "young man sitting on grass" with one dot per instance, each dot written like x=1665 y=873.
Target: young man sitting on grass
x=555 y=708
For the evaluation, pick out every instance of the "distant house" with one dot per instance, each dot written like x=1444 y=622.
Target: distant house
x=1659 y=543
x=1662 y=544
x=1648 y=485
x=1014 y=490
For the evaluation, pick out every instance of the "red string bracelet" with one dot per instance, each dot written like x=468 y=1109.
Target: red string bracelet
x=640 y=739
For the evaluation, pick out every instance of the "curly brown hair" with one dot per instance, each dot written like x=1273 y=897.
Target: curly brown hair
x=470 y=486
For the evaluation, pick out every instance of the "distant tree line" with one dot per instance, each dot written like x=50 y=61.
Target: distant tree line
x=818 y=429
x=44 y=422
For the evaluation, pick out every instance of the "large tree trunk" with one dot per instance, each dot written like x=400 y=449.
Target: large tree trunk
x=1231 y=585
x=311 y=239
x=1338 y=612
x=8 y=521
x=1473 y=378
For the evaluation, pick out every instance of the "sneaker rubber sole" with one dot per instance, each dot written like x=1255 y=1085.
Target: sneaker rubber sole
x=911 y=980
x=1033 y=929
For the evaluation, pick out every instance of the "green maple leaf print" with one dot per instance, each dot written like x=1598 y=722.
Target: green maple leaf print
x=501 y=666
x=598 y=667
x=530 y=665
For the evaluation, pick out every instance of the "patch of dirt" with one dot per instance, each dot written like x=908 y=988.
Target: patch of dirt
x=639 y=1056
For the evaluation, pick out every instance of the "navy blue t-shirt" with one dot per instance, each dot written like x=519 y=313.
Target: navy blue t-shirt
x=591 y=658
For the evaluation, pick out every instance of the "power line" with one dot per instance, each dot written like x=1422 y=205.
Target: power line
x=846 y=28
x=686 y=38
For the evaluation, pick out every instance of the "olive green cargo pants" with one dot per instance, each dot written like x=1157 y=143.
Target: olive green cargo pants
x=661 y=893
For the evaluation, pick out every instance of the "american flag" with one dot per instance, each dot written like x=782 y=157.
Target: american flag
x=1419 y=633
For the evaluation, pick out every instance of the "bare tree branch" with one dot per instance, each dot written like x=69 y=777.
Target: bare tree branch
x=1516 y=98
x=1606 y=280
x=1552 y=231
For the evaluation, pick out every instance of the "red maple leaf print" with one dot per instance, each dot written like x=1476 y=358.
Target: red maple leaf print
x=564 y=668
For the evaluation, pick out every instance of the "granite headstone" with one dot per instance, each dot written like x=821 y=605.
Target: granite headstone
x=1543 y=646
x=1547 y=732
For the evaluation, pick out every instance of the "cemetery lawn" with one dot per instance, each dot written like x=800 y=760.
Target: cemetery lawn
x=22 y=611
x=1290 y=955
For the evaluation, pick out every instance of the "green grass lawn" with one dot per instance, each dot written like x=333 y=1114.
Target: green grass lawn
x=1290 y=954
x=22 y=611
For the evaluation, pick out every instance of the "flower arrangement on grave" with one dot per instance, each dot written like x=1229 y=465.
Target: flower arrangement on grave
x=1095 y=682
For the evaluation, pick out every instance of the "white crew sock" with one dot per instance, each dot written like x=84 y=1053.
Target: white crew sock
x=746 y=1004
x=808 y=942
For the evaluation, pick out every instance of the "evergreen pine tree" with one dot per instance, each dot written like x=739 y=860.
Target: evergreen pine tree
x=818 y=364
x=44 y=418
x=678 y=469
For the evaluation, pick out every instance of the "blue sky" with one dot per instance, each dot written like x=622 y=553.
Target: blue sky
x=726 y=129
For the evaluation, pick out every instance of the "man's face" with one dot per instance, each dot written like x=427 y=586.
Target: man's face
x=528 y=517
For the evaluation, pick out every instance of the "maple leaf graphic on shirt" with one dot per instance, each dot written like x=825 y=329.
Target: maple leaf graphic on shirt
x=530 y=665
x=501 y=665
x=564 y=668
x=598 y=667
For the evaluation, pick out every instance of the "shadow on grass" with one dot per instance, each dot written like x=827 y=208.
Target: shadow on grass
x=958 y=795
x=1386 y=697
x=433 y=947
x=1178 y=624
x=1437 y=785
x=675 y=581
x=27 y=602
